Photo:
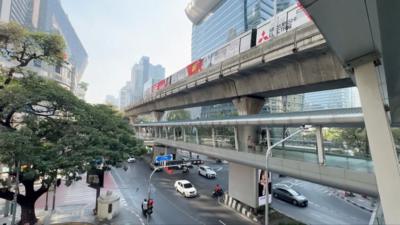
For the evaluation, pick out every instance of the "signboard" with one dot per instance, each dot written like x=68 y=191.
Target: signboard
x=161 y=158
x=264 y=182
x=282 y=22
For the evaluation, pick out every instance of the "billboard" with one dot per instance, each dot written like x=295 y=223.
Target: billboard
x=264 y=182
x=282 y=22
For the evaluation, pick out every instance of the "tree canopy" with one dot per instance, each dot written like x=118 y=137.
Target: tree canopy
x=49 y=130
x=45 y=130
x=20 y=46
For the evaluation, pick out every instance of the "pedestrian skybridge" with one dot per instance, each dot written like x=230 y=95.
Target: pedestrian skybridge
x=318 y=154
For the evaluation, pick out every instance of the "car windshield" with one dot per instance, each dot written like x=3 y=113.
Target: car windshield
x=187 y=185
x=293 y=192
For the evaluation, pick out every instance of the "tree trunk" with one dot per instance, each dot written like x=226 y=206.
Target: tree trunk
x=28 y=215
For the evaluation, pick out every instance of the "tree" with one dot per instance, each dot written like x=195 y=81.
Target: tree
x=49 y=131
x=20 y=46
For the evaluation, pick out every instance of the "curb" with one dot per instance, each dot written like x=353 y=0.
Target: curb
x=354 y=203
x=239 y=207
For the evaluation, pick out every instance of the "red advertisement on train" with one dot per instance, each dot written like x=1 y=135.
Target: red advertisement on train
x=195 y=67
x=159 y=85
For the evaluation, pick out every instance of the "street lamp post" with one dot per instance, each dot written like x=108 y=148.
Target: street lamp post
x=267 y=155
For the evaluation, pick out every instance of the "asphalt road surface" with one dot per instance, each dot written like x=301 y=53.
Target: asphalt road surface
x=324 y=205
x=170 y=206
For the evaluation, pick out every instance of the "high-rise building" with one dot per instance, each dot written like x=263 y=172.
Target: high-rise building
x=49 y=16
x=332 y=99
x=125 y=95
x=218 y=21
x=143 y=72
x=283 y=4
x=111 y=100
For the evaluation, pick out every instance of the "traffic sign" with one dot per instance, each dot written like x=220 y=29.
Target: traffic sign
x=161 y=158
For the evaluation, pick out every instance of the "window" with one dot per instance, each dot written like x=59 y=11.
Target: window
x=188 y=185
x=58 y=69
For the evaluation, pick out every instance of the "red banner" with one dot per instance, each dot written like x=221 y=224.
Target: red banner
x=195 y=67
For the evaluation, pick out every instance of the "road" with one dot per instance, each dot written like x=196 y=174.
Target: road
x=324 y=205
x=170 y=207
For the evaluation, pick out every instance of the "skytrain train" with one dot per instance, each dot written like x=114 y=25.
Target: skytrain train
x=282 y=22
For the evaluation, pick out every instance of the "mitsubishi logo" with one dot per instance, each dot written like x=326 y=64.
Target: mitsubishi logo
x=264 y=37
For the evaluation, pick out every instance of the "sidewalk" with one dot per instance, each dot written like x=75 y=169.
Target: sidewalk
x=75 y=204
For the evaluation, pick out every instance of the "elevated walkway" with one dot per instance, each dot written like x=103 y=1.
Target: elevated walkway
x=345 y=173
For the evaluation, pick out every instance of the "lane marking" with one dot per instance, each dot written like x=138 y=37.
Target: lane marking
x=221 y=222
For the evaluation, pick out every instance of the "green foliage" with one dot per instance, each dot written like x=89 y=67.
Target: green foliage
x=48 y=129
x=20 y=47
x=178 y=115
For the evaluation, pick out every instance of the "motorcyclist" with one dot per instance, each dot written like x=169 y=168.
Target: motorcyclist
x=150 y=203
x=218 y=190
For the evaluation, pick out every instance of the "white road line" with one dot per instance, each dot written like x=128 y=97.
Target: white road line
x=221 y=222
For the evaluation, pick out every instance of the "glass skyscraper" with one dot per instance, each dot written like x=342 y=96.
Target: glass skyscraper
x=225 y=21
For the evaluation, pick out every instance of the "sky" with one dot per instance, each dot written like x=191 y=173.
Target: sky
x=117 y=33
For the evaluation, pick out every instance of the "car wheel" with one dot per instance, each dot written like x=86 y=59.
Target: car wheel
x=275 y=195
x=208 y=176
x=199 y=173
x=295 y=202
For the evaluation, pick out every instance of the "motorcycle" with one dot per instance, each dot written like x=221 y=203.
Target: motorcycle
x=147 y=211
x=217 y=194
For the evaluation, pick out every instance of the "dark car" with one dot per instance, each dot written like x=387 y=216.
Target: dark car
x=287 y=194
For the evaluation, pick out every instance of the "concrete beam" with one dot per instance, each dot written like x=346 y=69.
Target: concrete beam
x=264 y=71
x=247 y=105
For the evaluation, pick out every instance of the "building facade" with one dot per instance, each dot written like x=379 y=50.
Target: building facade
x=143 y=72
x=332 y=99
x=125 y=95
x=223 y=20
x=49 y=16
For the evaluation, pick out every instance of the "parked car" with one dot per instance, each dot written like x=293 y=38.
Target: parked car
x=288 y=194
x=185 y=188
x=131 y=160
x=207 y=172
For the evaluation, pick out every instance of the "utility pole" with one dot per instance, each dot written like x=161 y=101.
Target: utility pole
x=267 y=155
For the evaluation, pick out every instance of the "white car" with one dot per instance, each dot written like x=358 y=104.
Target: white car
x=207 y=172
x=185 y=188
x=131 y=160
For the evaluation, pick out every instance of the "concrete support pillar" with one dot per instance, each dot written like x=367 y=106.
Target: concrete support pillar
x=184 y=133
x=165 y=132
x=320 y=145
x=213 y=137
x=248 y=138
x=383 y=151
x=248 y=105
x=174 y=130
x=243 y=184
x=235 y=131
x=247 y=135
x=132 y=119
x=197 y=137
x=156 y=115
